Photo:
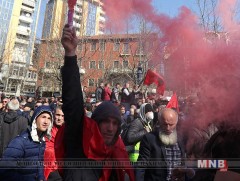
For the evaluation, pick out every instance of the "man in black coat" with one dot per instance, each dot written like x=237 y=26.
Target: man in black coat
x=164 y=146
x=87 y=140
x=11 y=124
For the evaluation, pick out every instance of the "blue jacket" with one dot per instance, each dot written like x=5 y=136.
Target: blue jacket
x=23 y=158
x=26 y=159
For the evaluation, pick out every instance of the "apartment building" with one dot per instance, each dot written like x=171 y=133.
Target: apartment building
x=101 y=58
x=89 y=18
x=18 y=20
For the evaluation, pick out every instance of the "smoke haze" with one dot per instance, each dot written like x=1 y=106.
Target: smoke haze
x=207 y=62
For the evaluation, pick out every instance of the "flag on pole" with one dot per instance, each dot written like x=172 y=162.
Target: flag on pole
x=152 y=77
x=173 y=103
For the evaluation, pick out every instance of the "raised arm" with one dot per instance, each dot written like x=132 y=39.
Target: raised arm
x=72 y=95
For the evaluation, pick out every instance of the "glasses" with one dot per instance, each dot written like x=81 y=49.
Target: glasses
x=4 y=101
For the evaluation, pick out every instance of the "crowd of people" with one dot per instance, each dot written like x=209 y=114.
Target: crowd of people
x=123 y=125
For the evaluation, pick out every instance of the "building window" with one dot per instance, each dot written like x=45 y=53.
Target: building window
x=93 y=46
x=116 y=46
x=125 y=48
x=125 y=64
x=90 y=82
x=116 y=64
x=13 y=88
x=92 y=65
x=21 y=71
x=15 y=71
x=102 y=46
x=101 y=64
x=4 y=16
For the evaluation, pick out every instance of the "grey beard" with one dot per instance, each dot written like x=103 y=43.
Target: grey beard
x=168 y=139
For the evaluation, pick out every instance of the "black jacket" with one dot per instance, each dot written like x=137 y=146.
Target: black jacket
x=152 y=149
x=73 y=115
x=11 y=125
x=136 y=131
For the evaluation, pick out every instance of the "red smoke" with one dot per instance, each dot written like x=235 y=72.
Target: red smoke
x=204 y=62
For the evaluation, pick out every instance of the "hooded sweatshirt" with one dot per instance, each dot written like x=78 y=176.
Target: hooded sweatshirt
x=27 y=149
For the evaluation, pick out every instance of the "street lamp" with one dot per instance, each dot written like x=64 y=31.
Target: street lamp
x=139 y=74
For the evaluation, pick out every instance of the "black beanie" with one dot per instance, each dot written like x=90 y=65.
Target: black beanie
x=148 y=108
x=105 y=110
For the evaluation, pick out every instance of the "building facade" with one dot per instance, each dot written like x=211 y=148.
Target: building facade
x=101 y=58
x=88 y=19
x=19 y=18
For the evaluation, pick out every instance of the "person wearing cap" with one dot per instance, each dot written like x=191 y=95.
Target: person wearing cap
x=11 y=124
x=165 y=146
x=137 y=129
x=25 y=152
x=88 y=139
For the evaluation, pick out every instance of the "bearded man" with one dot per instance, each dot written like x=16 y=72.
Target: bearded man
x=161 y=153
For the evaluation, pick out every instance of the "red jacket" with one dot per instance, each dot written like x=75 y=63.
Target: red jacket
x=49 y=154
x=107 y=94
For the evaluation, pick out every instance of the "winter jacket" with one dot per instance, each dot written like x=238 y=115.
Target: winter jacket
x=152 y=149
x=24 y=149
x=136 y=131
x=11 y=125
x=27 y=150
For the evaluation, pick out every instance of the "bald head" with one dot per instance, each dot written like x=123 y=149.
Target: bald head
x=167 y=120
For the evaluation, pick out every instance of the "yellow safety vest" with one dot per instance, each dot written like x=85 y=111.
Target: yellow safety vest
x=134 y=155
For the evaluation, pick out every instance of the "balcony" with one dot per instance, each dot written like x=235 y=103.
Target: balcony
x=119 y=70
x=79 y=10
x=21 y=41
x=77 y=25
x=26 y=19
x=16 y=77
x=75 y=16
x=30 y=3
x=47 y=70
x=22 y=30
x=124 y=53
x=27 y=9
x=29 y=83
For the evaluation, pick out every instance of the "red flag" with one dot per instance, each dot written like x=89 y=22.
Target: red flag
x=173 y=103
x=153 y=77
